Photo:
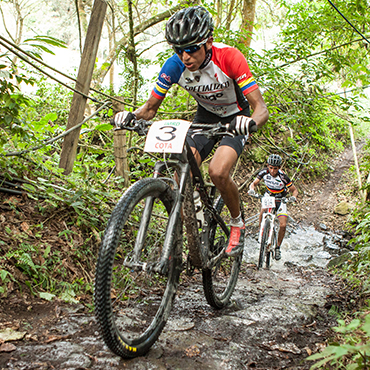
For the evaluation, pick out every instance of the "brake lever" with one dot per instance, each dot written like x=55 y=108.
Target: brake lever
x=140 y=127
x=216 y=131
x=123 y=127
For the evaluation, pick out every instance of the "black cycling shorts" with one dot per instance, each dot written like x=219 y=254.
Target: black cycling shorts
x=203 y=145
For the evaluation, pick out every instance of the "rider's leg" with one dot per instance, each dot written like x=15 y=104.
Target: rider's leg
x=283 y=218
x=197 y=156
x=282 y=221
x=219 y=171
x=282 y=229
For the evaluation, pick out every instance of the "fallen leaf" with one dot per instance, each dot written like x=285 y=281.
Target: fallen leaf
x=192 y=351
x=309 y=352
x=26 y=228
x=9 y=334
x=54 y=338
x=282 y=347
x=320 y=346
x=7 y=347
x=312 y=324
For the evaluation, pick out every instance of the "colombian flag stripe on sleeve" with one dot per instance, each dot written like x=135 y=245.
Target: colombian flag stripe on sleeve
x=248 y=85
x=159 y=92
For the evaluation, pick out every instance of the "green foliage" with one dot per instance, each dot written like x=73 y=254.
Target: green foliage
x=52 y=97
x=360 y=218
x=353 y=353
x=12 y=101
x=5 y=278
x=39 y=44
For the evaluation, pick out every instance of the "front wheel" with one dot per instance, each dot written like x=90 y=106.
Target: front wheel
x=263 y=246
x=132 y=300
x=219 y=280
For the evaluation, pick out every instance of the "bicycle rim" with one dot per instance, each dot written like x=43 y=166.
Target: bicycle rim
x=132 y=302
x=263 y=246
x=220 y=280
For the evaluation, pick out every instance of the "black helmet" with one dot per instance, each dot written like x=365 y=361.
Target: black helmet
x=274 y=160
x=189 y=26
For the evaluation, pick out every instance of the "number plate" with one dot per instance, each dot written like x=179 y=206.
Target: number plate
x=268 y=202
x=167 y=136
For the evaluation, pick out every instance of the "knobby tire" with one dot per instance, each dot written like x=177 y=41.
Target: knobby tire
x=263 y=246
x=220 y=280
x=132 y=303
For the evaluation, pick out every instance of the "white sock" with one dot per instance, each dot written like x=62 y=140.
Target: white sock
x=238 y=222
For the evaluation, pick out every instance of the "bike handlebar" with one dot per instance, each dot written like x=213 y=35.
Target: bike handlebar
x=213 y=129
x=283 y=199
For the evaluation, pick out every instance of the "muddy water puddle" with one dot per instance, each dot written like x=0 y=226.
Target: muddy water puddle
x=302 y=246
x=275 y=319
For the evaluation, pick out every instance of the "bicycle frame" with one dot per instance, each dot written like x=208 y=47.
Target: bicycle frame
x=184 y=164
x=270 y=214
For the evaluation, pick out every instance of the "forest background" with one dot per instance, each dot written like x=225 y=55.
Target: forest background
x=310 y=59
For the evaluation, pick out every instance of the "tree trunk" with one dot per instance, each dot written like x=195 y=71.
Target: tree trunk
x=229 y=16
x=84 y=76
x=131 y=52
x=248 y=14
x=112 y=43
x=120 y=155
x=82 y=16
x=18 y=31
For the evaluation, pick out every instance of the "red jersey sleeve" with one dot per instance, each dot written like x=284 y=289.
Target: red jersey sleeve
x=234 y=64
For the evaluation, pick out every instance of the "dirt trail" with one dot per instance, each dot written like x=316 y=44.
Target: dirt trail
x=320 y=198
x=275 y=320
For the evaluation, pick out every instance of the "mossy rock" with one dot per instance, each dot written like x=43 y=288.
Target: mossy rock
x=339 y=261
x=343 y=208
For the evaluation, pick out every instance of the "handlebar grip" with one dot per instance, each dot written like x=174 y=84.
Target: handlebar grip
x=253 y=128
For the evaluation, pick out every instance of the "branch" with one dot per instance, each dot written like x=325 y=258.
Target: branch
x=79 y=26
x=124 y=41
x=313 y=55
x=50 y=141
x=6 y=29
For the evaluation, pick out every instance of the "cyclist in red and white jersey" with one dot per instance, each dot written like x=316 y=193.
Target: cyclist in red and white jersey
x=219 y=79
x=278 y=184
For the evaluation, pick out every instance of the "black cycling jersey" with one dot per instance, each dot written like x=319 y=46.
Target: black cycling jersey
x=276 y=186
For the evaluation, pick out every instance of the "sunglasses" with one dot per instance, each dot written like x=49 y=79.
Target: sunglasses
x=189 y=49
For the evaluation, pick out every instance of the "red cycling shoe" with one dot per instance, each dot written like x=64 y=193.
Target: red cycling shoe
x=236 y=241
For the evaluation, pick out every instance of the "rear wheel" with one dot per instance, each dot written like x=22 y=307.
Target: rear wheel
x=263 y=246
x=220 y=279
x=132 y=299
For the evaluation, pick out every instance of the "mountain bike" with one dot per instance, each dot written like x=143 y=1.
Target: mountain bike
x=141 y=253
x=269 y=229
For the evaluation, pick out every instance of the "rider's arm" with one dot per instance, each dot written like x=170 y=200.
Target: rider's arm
x=260 y=113
x=294 y=191
x=255 y=183
x=149 y=109
x=236 y=66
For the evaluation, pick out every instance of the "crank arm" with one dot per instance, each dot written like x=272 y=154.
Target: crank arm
x=138 y=266
x=213 y=261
